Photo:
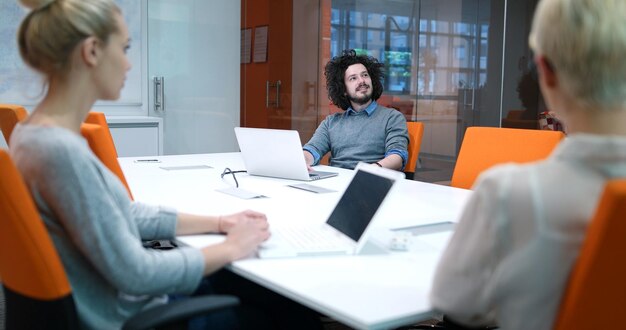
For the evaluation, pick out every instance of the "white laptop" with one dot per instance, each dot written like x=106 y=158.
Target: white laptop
x=275 y=153
x=347 y=229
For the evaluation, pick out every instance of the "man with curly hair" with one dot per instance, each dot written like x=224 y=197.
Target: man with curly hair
x=365 y=131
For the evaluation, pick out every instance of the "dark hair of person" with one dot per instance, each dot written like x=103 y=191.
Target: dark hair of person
x=336 y=68
x=528 y=92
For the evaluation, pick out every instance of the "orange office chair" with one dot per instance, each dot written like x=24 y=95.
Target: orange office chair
x=101 y=143
x=595 y=296
x=416 y=131
x=94 y=117
x=325 y=159
x=37 y=292
x=484 y=147
x=10 y=115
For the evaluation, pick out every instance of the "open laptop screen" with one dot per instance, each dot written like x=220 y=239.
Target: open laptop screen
x=359 y=203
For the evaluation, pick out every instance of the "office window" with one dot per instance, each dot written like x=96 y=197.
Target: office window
x=411 y=44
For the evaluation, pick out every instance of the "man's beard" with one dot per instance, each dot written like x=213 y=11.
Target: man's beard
x=360 y=100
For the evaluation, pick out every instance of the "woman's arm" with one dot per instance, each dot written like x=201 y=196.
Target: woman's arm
x=242 y=240
x=189 y=224
x=245 y=231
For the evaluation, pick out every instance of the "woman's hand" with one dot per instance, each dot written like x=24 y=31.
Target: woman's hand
x=245 y=232
x=226 y=222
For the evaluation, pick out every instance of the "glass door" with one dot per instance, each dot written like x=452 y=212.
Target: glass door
x=443 y=62
x=279 y=79
x=193 y=72
x=453 y=69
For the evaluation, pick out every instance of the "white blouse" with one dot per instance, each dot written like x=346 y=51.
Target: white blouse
x=510 y=256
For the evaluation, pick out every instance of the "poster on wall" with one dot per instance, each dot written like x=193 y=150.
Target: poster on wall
x=246 y=45
x=260 y=44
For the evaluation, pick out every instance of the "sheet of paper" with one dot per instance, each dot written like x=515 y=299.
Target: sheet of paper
x=240 y=193
x=311 y=188
x=260 y=44
x=246 y=45
x=428 y=228
x=189 y=167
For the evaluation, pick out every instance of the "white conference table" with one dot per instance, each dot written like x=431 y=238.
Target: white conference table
x=365 y=291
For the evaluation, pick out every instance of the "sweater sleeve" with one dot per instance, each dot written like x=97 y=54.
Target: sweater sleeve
x=154 y=222
x=98 y=219
x=320 y=142
x=397 y=136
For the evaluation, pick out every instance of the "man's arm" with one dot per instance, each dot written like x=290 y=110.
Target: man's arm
x=319 y=143
x=309 y=159
x=396 y=142
x=393 y=161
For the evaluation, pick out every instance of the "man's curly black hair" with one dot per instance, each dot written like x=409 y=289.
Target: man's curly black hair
x=336 y=68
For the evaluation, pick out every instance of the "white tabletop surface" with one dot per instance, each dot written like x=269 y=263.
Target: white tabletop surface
x=364 y=292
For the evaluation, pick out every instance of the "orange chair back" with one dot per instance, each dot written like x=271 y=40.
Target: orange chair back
x=29 y=264
x=101 y=144
x=416 y=132
x=98 y=118
x=484 y=147
x=10 y=115
x=595 y=296
x=37 y=291
x=325 y=160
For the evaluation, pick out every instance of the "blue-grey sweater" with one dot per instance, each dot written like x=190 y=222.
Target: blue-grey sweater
x=366 y=136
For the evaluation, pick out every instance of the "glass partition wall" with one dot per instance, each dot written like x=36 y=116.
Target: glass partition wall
x=450 y=64
x=443 y=60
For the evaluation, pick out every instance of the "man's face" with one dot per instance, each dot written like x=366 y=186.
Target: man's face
x=358 y=84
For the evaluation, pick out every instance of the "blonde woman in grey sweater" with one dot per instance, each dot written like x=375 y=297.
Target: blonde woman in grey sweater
x=79 y=46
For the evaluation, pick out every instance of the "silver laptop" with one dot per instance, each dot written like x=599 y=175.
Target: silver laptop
x=275 y=153
x=347 y=229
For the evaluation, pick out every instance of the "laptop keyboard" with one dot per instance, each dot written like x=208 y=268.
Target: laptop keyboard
x=314 y=177
x=312 y=238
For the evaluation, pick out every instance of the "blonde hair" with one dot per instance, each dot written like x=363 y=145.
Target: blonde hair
x=585 y=41
x=51 y=31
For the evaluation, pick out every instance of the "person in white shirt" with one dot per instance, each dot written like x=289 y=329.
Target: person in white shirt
x=509 y=259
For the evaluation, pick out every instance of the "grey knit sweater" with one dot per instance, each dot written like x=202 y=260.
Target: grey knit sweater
x=368 y=136
x=97 y=229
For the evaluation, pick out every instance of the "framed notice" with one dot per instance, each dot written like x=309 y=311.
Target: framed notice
x=246 y=45
x=260 y=44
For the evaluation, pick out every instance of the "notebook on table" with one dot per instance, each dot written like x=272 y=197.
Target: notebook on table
x=347 y=229
x=275 y=153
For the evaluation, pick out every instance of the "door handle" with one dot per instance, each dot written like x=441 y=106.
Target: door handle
x=277 y=94
x=159 y=95
x=473 y=95
x=267 y=93
x=311 y=100
x=268 y=102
